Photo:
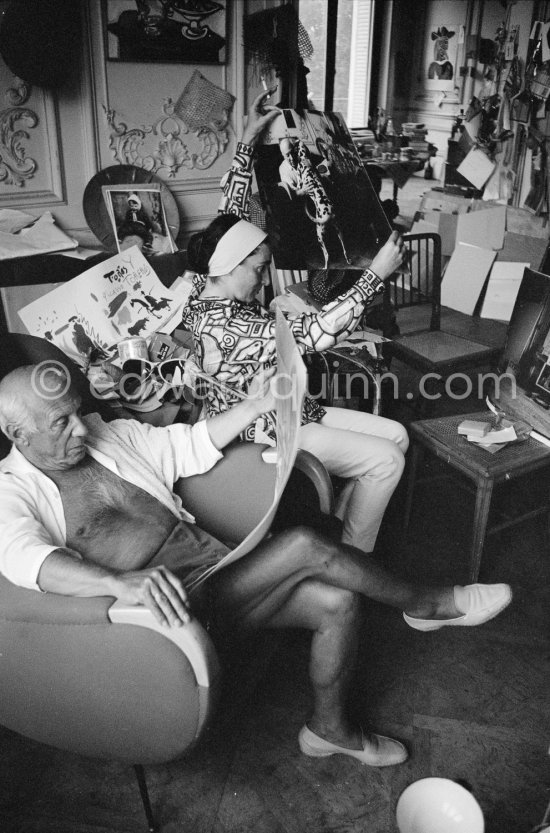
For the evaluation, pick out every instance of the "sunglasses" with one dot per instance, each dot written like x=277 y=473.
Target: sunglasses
x=140 y=376
x=166 y=370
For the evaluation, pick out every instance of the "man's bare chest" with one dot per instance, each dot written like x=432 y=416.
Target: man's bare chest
x=109 y=519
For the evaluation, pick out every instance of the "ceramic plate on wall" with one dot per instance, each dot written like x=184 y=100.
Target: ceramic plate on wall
x=95 y=208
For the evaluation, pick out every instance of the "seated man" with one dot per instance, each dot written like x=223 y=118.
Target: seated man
x=87 y=509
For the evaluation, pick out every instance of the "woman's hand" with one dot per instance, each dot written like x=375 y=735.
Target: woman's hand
x=223 y=428
x=259 y=116
x=261 y=390
x=390 y=257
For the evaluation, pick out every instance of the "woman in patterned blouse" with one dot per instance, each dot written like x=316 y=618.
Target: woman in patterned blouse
x=234 y=336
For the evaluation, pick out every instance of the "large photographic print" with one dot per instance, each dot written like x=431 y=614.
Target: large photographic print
x=321 y=209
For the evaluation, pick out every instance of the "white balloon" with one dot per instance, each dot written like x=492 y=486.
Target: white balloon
x=438 y=805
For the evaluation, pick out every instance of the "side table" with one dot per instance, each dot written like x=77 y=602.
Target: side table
x=486 y=470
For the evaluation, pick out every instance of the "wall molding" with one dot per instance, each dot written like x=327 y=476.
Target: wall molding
x=20 y=162
x=16 y=167
x=150 y=136
x=167 y=152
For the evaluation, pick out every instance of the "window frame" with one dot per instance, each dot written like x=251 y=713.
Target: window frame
x=330 y=57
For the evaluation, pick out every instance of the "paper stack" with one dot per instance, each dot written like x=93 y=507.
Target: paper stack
x=417 y=136
x=473 y=428
x=495 y=437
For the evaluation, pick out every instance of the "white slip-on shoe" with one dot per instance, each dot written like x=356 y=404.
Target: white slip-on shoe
x=480 y=602
x=377 y=750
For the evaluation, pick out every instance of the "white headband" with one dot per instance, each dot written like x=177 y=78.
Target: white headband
x=236 y=244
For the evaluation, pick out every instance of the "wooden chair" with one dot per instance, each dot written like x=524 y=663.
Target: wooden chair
x=433 y=339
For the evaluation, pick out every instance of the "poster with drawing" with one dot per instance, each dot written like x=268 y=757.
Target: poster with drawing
x=321 y=209
x=120 y=297
x=138 y=218
x=441 y=58
x=290 y=388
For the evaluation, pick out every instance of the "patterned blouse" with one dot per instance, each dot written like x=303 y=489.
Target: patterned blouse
x=232 y=339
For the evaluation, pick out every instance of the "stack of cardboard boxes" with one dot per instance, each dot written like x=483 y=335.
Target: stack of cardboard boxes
x=483 y=261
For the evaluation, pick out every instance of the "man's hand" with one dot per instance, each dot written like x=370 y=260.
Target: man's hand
x=307 y=189
x=65 y=572
x=259 y=116
x=390 y=257
x=159 y=590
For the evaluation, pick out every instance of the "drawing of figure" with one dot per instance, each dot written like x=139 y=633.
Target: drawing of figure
x=83 y=343
x=145 y=306
x=140 y=325
x=162 y=303
x=441 y=68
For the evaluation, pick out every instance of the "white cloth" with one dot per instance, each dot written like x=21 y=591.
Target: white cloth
x=237 y=243
x=43 y=236
x=32 y=522
x=368 y=451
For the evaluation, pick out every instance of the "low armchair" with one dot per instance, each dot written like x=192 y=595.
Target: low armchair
x=103 y=679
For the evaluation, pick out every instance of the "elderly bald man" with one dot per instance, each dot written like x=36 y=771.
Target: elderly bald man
x=87 y=509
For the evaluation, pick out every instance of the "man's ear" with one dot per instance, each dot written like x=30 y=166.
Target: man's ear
x=17 y=434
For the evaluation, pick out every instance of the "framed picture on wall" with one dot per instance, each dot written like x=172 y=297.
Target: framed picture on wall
x=165 y=31
x=440 y=69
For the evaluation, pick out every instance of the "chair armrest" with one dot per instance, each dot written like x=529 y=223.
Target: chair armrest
x=372 y=367
x=19 y=605
x=28 y=607
x=312 y=467
x=191 y=639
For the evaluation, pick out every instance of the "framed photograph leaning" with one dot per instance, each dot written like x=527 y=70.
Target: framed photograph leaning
x=138 y=218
